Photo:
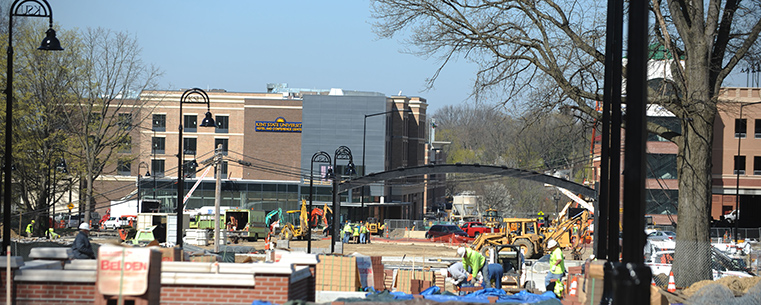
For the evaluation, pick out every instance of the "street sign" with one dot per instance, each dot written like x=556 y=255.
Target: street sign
x=70 y=206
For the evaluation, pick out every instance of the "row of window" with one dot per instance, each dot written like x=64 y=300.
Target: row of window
x=190 y=123
x=740 y=166
x=124 y=168
x=189 y=145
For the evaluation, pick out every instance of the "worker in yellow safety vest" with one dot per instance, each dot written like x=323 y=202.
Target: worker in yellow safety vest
x=355 y=233
x=363 y=233
x=30 y=229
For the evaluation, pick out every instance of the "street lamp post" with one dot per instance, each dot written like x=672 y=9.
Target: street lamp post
x=190 y=96
x=321 y=157
x=147 y=174
x=342 y=153
x=20 y=8
x=737 y=159
x=364 y=166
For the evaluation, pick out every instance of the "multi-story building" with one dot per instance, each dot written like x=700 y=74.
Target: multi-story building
x=737 y=156
x=268 y=140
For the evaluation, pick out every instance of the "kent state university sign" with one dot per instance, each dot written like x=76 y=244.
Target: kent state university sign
x=278 y=125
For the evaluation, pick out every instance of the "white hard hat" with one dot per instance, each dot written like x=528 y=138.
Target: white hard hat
x=552 y=244
x=461 y=251
x=84 y=226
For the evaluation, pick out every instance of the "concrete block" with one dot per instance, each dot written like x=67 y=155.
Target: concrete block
x=16 y=261
x=50 y=253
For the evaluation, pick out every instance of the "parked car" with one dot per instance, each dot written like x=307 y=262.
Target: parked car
x=474 y=228
x=662 y=235
x=112 y=223
x=441 y=230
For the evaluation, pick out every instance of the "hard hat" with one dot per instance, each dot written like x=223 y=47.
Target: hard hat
x=461 y=251
x=552 y=244
x=591 y=256
x=32 y=220
x=84 y=226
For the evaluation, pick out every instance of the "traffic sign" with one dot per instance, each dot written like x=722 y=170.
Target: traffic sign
x=70 y=206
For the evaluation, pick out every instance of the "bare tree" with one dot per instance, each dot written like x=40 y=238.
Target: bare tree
x=105 y=106
x=523 y=46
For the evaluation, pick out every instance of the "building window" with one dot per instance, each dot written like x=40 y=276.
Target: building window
x=159 y=145
x=223 y=123
x=189 y=145
x=189 y=168
x=757 y=129
x=672 y=123
x=740 y=128
x=124 y=168
x=190 y=123
x=159 y=122
x=158 y=168
x=217 y=142
x=739 y=165
x=757 y=165
x=661 y=166
x=125 y=145
x=125 y=121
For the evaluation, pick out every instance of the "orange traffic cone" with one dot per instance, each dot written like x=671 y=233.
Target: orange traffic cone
x=652 y=281
x=573 y=287
x=672 y=284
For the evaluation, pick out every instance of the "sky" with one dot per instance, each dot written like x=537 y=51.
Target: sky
x=241 y=45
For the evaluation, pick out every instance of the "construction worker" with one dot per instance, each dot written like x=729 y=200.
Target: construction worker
x=52 y=234
x=471 y=258
x=557 y=263
x=363 y=233
x=495 y=273
x=82 y=249
x=30 y=229
x=381 y=229
x=355 y=233
x=347 y=231
x=458 y=273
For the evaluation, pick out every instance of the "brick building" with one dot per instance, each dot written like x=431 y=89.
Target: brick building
x=268 y=140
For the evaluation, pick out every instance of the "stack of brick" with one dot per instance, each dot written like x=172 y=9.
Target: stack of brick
x=337 y=273
x=388 y=278
x=422 y=280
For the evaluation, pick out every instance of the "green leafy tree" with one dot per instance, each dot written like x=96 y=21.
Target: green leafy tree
x=551 y=53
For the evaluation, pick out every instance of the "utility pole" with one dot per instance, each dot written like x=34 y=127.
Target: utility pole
x=217 y=194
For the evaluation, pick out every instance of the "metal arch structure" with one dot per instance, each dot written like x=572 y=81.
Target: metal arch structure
x=467 y=169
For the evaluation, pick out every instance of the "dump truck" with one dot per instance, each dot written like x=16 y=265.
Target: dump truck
x=244 y=224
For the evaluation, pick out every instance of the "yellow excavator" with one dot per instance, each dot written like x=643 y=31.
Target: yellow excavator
x=293 y=225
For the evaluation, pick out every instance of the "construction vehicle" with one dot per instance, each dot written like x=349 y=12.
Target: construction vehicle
x=372 y=225
x=491 y=218
x=244 y=224
x=513 y=278
x=295 y=223
x=318 y=216
x=526 y=234
x=272 y=220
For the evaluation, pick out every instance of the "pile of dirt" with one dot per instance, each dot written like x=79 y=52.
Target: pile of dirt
x=13 y=233
x=738 y=285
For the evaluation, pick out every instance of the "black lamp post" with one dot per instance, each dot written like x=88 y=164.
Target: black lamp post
x=147 y=174
x=364 y=166
x=737 y=160
x=21 y=8
x=342 y=153
x=321 y=157
x=190 y=96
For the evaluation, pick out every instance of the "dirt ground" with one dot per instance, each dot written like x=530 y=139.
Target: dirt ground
x=377 y=247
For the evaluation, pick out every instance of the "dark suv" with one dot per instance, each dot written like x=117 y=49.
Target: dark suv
x=441 y=230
